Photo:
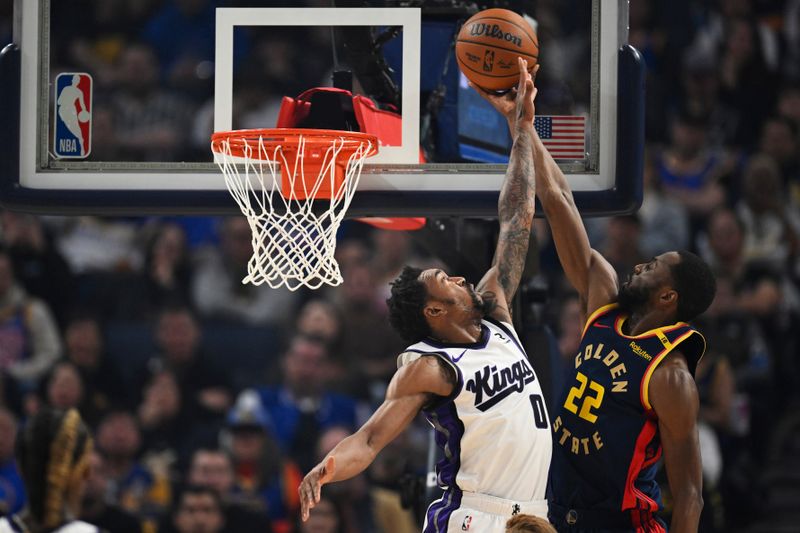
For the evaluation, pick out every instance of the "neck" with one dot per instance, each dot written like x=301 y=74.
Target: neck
x=461 y=333
x=641 y=321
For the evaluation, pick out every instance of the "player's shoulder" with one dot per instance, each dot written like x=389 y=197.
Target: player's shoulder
x=429 y=372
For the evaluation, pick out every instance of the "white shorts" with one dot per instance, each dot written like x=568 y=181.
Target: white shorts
x=476 y=512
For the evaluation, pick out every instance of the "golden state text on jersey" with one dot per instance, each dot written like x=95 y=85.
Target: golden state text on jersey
x=605 y=433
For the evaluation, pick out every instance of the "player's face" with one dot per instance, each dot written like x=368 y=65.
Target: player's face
x=450 y=290
x=646 y=279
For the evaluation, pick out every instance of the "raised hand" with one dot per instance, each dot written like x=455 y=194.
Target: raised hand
x=526 y=93
x=311 y=487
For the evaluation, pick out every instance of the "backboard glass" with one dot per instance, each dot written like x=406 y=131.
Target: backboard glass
x=115 y=104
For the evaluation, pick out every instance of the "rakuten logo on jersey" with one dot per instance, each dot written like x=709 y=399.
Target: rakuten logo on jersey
x=491 y=384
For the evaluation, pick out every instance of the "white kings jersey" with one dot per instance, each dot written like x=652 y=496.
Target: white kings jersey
x=493 y=430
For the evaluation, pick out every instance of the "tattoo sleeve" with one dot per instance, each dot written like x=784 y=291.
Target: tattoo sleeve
x=515 y=211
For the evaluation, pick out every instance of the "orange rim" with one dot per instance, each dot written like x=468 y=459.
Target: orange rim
x=241 y=141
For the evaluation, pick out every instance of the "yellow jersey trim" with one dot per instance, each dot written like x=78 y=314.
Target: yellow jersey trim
x=645 y=388
x=597 y=312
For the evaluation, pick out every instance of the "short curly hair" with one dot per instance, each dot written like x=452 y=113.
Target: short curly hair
x=523 y=523
x=406 y=305
x=695 y=284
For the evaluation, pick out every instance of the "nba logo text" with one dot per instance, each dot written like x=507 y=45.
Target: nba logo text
x=72 y=131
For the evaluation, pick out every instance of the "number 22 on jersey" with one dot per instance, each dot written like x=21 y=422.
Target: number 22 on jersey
x=591 y=399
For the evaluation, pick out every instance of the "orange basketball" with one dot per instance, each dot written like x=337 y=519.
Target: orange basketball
x=488 y=45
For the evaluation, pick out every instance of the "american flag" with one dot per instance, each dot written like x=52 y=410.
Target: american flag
x=563 y=136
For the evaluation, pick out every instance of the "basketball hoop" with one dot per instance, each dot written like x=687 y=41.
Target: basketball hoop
x=293 y=243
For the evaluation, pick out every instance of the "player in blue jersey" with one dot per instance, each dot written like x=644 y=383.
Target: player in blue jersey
x=631 y=399
x=467 y=371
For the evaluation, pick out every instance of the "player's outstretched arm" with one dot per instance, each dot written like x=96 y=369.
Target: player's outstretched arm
x=517 y=200
x=588 y=271
x=674 y=396
x=590 y=274
x=412 y=387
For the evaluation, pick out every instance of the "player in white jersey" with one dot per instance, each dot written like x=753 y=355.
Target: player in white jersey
x=467 y=371
x=53 y=454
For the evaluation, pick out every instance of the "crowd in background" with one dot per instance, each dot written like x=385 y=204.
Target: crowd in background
x=209 y=399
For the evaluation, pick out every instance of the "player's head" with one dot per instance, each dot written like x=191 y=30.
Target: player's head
x=423 y=301
x=525 y=523
x=53 y=453
x=679 y=283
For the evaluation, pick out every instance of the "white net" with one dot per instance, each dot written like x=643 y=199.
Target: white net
x=293 y=233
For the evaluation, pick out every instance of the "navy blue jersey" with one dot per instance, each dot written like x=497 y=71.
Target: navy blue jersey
x=606 y=443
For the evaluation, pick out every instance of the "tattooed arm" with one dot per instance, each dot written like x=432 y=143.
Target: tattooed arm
x=516 y=204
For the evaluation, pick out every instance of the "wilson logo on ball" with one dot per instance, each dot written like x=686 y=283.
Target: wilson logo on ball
x=493 y=30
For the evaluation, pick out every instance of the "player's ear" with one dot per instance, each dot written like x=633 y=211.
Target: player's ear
x=668 y=296
x=434 y=309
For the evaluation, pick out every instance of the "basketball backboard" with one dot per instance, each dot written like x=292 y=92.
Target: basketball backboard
x=114 y=104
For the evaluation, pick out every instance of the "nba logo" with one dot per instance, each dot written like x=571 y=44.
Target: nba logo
x=488 y=60
x=72 y=137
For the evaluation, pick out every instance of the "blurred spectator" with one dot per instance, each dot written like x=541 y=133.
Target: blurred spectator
x=701 y=97
x=151 y=123
x=29 y=340
x=664 y=221
x=789 y=97
x=213 y=468
x=218 y=290
x=688 y=169
x=326 y=517
x=203 y=387
x=164 y=279
x=356 y=506
x=320 y=319
x=622 y=244
x=717 y=386
x=91 y=244
x=302 y=406
x=198 y=510
x=351 y=252
x=791 y=31
x=770 y=229
x=746 y=68
x=369 y=344
x=104 y=388
x=64 y=387
x=265 y=478
x=392 y=251
x=779 y=140
x=167 y=265
x=12 y=489
x=38 y=265
x=167 y=428
x=97 y=510
x=757 y=291
x=131 y=485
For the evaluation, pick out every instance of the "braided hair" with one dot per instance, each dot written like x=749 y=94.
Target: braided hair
x=52 y=449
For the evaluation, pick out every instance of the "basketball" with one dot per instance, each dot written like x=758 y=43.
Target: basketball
x=83 y=116
x=488 y=45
